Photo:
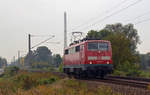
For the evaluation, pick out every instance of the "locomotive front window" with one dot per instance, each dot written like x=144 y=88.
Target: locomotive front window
x=102 y=46
x=92 y=46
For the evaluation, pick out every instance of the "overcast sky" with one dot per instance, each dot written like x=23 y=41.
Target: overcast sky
x=18 y=18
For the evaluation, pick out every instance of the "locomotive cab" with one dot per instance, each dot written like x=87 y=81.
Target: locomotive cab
x=99 y=57
x=89 y=58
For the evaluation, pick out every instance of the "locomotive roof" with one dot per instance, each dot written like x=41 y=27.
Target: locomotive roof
x=76 y=44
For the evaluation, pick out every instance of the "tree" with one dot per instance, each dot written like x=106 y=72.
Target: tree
x=57 y=60
x=41 y=58
x=11 y=70
x=29 y=58
x=124 y=40
x=120 y=49
x=129 y=31
x=3 y=62
x=145 y=61
x=98 y=34
x=40 y=65
x=128 y=69
x=93 y=34
x=43 y=54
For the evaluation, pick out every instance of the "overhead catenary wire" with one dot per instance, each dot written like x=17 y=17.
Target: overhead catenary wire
x=139 y=16
x=41 y=35
x=43 y=42
x=107 y=11
x=142 y=21
x=53 y=42
x=114 y=13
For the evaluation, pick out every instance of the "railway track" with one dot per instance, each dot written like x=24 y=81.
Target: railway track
x=132 y=83
x=131 y=78
x=127 y=81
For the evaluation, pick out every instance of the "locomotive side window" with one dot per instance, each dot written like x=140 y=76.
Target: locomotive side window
x=77 y=48
x=72 y=50
x=66 y=51
x=82 y=47
x=92 y=46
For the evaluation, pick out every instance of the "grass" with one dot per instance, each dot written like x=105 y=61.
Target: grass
x=36 y=83
x=25 y=81
x=68 y=87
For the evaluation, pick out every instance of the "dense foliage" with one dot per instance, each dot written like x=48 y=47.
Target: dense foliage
x=128 y=31
x=36 y=83
x=3 y=62
x=46 y=83
x=23 y=80
x=124 y=40
x=10 y=71
x=57 y=60
x=145 y=61
x=40 y=58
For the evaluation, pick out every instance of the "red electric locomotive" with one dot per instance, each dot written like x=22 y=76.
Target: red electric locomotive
x=88 y=58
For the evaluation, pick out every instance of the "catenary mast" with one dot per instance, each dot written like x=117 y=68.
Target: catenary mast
x=65 y=30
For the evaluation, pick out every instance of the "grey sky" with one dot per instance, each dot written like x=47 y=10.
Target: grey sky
x=45 y=17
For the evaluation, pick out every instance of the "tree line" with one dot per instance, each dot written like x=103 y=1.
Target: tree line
x=145 y=61
x=124 y=40
x=40 y=58
x=3 y=62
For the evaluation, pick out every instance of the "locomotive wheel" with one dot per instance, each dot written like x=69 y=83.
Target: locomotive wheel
x=77 y=73
x=90 y=74
x=70 y=75
x=84 y=74
x=102 y=75
x=77 y=76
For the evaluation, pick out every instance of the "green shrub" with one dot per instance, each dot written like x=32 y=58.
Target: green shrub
x=145 y=74
x=46 y=81
x=25 y=81
x=10 y=71
x=61 y=67
x=29 y=80
x=120 y=73
x=127 y=69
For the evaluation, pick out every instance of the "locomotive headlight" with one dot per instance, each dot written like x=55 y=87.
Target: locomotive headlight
x=107 y=62
x=92 y=57
x=105 y=57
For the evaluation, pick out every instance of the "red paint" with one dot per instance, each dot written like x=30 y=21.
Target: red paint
x=81 y=57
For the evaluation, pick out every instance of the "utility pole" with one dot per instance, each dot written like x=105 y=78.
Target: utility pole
x=14 y=59
x=29 y=39
x=18 y=57
x=65 y=30
x=29 y=45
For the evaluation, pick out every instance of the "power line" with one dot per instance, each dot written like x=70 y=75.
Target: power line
x=41 y=35
x=53 y=42
x=107 y=11
x=114 y=13
x=42 y=42
x=145 y=20
x=139 y=16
